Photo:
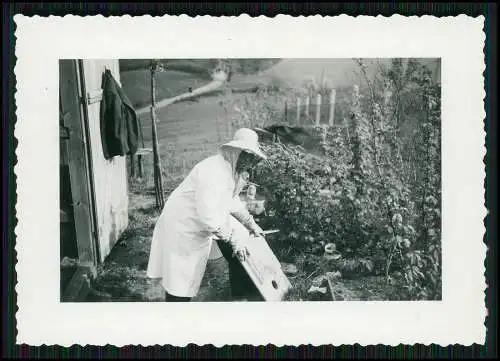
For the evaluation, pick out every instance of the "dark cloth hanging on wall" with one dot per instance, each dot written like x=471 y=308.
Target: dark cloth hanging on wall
x=120 y=129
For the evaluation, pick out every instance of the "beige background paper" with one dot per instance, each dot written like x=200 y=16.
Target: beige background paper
x=458 y=318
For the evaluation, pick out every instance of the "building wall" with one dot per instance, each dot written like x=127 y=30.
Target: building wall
x=110 y=176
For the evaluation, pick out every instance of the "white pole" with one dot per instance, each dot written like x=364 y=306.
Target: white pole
x=332 y=107
x=318 y=109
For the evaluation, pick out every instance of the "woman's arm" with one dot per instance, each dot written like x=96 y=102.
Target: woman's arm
x=241 y=213
x=211 y=188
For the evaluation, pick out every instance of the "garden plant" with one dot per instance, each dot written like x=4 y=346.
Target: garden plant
x=374 y=187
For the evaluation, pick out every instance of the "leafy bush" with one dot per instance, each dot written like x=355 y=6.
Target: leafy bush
x=375 y=189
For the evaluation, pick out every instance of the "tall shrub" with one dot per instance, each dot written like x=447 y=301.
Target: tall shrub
x=375 y=190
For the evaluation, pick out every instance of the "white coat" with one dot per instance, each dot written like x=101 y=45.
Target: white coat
x=182 y=237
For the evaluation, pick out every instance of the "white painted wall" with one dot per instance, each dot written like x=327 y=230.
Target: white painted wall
x=110 y=176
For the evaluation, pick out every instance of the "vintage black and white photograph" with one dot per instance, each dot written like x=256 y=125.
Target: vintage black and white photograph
x=250 y=179
x=318 y=179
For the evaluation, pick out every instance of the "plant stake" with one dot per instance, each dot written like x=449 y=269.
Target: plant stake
x=160 y=201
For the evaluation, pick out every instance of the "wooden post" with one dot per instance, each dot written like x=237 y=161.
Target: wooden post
x=332 y=107
x=286 y=111
x=156 y=158
x=318 y=108
x=298 y=110
x=155 y=162
x=308 y=102
x=139 y=161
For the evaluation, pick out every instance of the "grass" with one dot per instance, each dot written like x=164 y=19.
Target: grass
x=137 y=84
x=187 y=133
x=170 y=83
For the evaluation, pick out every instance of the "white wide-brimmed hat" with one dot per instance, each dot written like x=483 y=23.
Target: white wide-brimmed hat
x=247 y=140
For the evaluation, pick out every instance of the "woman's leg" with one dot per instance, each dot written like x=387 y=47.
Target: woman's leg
x=172 y=298
x=240 y=283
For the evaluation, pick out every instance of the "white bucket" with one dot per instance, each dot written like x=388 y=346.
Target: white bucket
x=215 y=252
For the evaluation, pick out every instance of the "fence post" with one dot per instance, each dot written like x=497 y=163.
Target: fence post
x=298 y=110
x=318 y=108
x=355 y=90
x=308 y=102
x=332 y=107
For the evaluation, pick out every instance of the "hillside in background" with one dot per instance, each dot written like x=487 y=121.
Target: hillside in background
x=203 y=67
x=248 y=75
x=338 y=73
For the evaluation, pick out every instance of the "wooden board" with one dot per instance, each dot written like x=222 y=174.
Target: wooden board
x=77 y=161
x=264 y=269
x=78 y=286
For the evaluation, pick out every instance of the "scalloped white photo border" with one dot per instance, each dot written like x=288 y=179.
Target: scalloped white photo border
x=457 y=319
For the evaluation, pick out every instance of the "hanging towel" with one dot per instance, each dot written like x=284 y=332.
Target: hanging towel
x=120 y=130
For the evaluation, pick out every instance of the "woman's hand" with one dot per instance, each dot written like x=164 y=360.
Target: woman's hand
x=241 y=253
x=239 y=250
x=256 y=231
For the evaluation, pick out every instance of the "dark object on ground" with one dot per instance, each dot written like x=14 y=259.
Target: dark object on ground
x=295 y=135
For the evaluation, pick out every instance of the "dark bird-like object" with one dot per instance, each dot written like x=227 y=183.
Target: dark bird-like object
x=291 y=135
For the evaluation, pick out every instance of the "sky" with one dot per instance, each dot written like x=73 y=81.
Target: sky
x=339 y=72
